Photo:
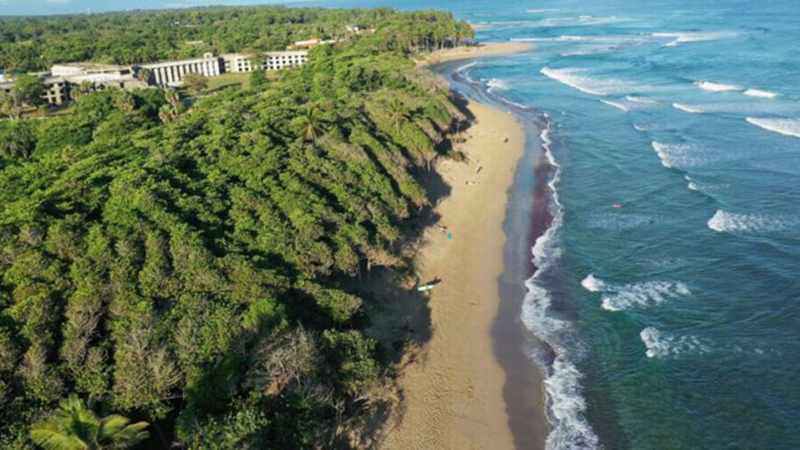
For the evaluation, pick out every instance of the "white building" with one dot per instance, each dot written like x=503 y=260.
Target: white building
x=171 y=73
x=284 y=60
x=237 y=62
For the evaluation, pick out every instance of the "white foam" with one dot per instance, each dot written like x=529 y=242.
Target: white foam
x=593 y=284
x=640 y=100
x=689 y=37
x=495 y=84
x=577 y=79
x=626 y=296
x=788 y=127
x=571 y=78
x=760 y=93
x=648 y=293
x=590 y=50
x=579 y=21
x=617 y=105
x=677 y=156
x=609 y=39
x=692 y=185
x=566 y=407
x=716 y=87
x=687 y=108
x=661 y=345
x=724 y=221
x=466 y=67
x=539 y=11
x=463 y=70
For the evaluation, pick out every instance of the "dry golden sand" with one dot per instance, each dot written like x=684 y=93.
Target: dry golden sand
x=482 y=50
x=453 y=390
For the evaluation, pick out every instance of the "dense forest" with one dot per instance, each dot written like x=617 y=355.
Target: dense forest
x=183 y=272
x=36 y=43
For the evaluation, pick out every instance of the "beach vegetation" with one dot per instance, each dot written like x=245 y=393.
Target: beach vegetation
x=193 y=265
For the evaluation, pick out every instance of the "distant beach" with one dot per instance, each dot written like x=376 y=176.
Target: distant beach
x=479 y=51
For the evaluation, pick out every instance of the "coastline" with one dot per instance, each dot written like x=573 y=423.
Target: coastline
x=486 y=49
x=470 y=386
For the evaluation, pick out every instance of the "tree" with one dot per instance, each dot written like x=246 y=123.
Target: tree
x=397 y=112
x=28 y=90
x=312 y=122
x=17 y=139
x=257 y=79
x=195 y=83
x=172 y=109
x=75 y=427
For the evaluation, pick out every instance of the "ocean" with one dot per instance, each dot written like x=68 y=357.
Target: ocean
x=665 y=308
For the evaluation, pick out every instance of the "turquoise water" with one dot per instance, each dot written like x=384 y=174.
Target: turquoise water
x=668 y=286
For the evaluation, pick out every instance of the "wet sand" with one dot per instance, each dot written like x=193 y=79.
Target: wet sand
x=470 y=386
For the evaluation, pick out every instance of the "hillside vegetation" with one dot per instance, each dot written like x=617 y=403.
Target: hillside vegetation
x=186 y=264
x=36 y=43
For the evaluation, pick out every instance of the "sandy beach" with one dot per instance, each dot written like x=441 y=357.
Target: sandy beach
x=452 y=388
x=482 y=50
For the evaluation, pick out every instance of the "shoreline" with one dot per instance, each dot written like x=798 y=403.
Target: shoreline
x=483 y=50
x=471 y=386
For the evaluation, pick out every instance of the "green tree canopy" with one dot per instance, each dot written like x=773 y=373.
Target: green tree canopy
x=75 y=427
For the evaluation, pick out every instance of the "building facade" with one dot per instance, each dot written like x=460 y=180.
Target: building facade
x=63 y=78
x=56 y=89
x=237 y=62
x=171 y=73
x=285 y=60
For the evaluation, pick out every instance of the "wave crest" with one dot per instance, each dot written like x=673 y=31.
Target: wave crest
x=659 y=344
x=787 y=127
x=679 y=38
x=760 y=93
x=687 y=108
x=724 y=221
x=626 y=296
x=716 y=87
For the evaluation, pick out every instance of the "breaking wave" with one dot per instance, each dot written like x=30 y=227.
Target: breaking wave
x=661 y=345
x=644 y=294
x=677 y=156
x=788 y=127
x=617 y=105
x=571 y=78
x=566 y=406
x=679 y=38
x=593 y=284
x=494 y=84
x=760 y=93
x=579 y=21
x=464 y=71
x=716 y=87
x=640 y=100
x=577 y=79
x=724 y=221
x=688 y=108
x=692 y=185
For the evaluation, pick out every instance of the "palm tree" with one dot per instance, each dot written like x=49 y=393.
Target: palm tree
x=312 y=122
x=75 y=427
x=397 y=112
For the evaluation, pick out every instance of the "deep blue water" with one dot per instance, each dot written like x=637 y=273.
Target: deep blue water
x=669 y=285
